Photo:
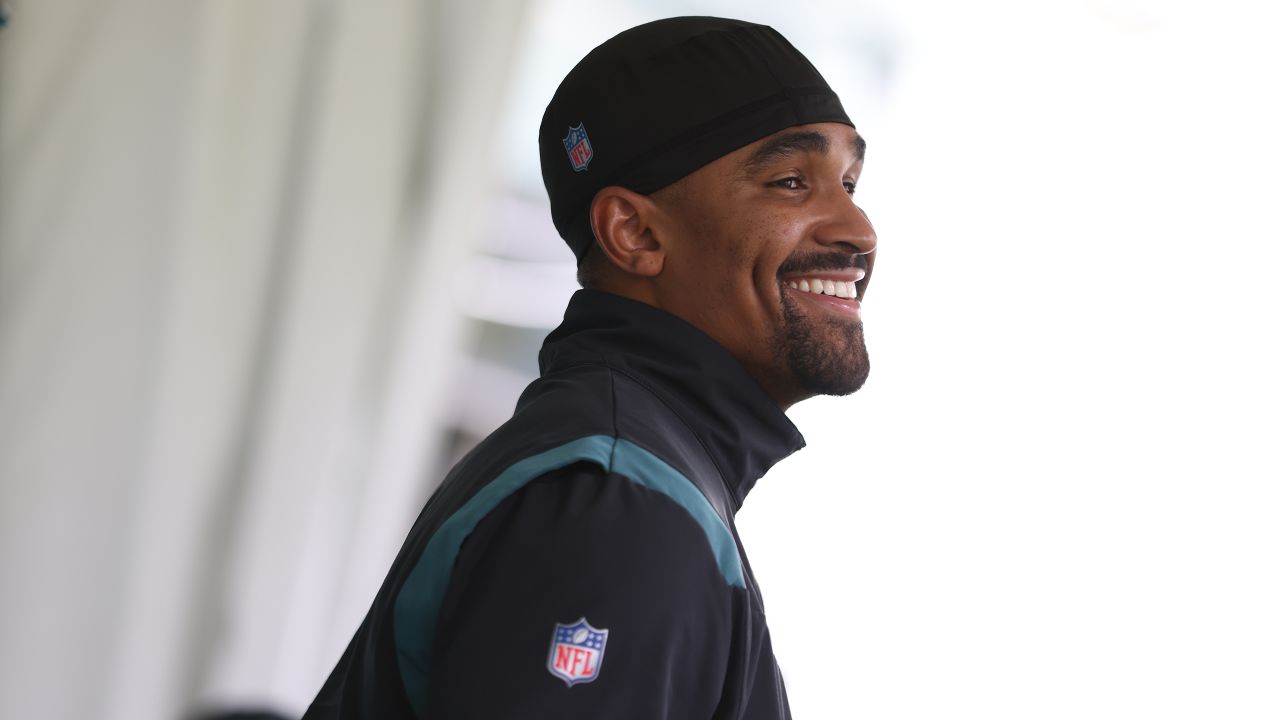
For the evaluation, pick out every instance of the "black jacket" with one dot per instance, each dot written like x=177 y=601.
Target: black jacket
x=582 y=561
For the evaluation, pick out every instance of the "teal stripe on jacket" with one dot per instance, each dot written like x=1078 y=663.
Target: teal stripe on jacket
x=418 y=602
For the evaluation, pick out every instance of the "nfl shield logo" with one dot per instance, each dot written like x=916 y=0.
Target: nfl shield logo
x=578 y=147
x=576 y=652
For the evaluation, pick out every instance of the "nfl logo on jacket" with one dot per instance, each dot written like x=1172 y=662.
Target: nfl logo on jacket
x=576 y=652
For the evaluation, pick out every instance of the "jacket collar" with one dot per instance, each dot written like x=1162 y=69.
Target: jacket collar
x=742 y=428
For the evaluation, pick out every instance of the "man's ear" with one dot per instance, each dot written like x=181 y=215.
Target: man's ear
x=622 y=221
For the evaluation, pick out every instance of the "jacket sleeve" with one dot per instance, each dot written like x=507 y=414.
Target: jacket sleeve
x=581 y=544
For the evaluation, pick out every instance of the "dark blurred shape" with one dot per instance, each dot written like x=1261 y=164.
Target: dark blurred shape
x=5 y=14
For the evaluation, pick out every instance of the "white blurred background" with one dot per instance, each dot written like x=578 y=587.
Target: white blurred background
x=266 y=268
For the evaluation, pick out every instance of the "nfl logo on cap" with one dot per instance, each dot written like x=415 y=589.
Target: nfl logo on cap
x=578 y=147
x=577 y=651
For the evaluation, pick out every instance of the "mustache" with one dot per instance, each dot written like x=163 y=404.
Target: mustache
x=817 y=262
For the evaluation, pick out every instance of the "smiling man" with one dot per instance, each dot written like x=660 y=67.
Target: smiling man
x=582 y=561
x=762 y=249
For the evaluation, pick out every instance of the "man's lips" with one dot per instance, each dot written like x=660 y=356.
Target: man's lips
x=834 y=289
x=835 y=283
x=855 y=269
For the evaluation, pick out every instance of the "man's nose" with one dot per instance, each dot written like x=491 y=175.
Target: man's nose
x=846 y=224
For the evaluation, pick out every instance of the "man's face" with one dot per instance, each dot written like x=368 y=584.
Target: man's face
x=767 y=253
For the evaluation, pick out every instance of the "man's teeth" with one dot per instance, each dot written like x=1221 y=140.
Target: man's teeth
x=834 y=288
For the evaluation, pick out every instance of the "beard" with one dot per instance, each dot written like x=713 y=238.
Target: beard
x=826 y=355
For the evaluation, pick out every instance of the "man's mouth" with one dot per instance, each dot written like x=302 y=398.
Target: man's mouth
x=839 y=284
x=836 y=279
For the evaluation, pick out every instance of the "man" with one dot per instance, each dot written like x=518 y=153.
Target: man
x=582 y=561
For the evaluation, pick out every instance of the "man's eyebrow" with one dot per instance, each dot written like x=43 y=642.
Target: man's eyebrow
x=804 y=141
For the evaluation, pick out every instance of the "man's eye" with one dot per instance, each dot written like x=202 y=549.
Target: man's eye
x=789 y=183
x=849 y=187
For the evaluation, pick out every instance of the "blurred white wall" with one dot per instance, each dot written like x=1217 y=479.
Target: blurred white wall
x=229 y=233
x=1057 y=495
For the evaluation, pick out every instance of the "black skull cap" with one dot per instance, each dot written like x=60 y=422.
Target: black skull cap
x=658 y=101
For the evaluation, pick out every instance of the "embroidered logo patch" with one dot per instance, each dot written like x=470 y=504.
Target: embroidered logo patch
x=577 y=651
x=578 y=147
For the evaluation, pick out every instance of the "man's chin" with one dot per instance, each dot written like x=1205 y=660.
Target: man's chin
x=829 y=363
x=826 y=355
x=833 y=378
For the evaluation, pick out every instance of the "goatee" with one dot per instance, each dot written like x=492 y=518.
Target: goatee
x=826 y=355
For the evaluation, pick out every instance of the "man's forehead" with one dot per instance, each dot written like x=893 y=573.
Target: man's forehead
x=819 y=139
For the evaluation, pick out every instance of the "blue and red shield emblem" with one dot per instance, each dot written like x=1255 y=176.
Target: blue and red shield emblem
x=578 y=147
x=577 y=651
